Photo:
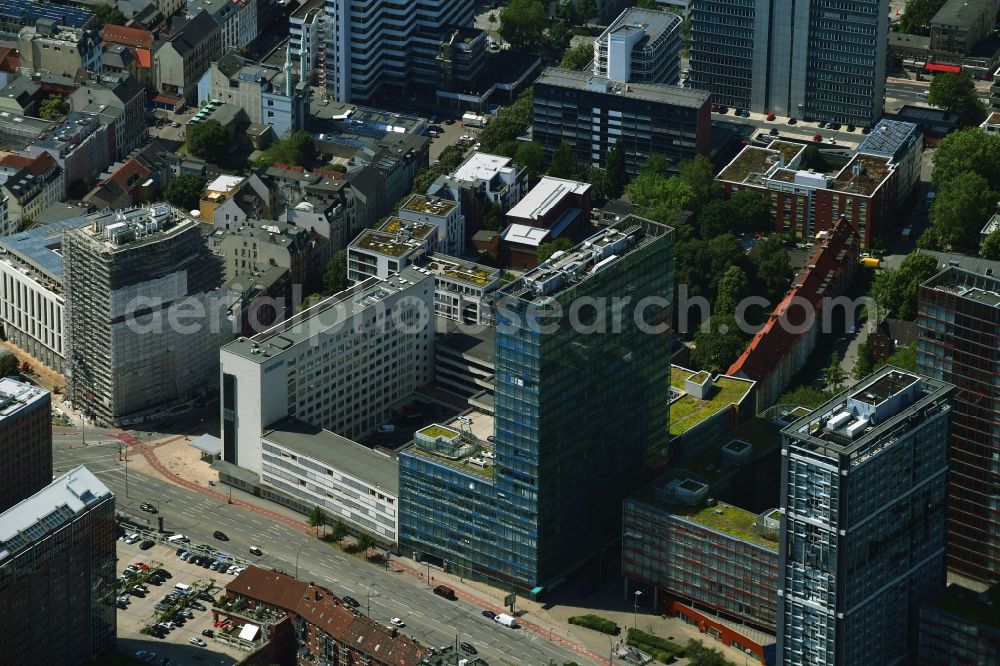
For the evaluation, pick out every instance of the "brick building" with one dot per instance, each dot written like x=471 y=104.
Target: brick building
x=304 y=624
x=867 y=190
x=783 y=345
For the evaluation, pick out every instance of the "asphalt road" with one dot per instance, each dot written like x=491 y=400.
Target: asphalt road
x=430 y=619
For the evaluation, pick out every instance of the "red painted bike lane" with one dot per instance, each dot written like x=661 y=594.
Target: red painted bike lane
x=148 y=453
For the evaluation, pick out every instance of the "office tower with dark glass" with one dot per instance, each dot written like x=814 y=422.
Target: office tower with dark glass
x=57 y=573
x=25 y=440
x=581 y=418
x=800 y=58
x=959 y=342
x=862 y=546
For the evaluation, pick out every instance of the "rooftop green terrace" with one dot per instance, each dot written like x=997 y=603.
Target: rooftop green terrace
x=688 y=411
x=461 y=465
x=434 y=431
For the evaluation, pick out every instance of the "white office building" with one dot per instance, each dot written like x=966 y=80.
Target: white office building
x=383 y=42
x=640 y=46
x=340 y=365
x=305 y=37
x=310 y=467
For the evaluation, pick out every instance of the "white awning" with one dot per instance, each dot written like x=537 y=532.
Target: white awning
x=209 y=444
x=249 y=632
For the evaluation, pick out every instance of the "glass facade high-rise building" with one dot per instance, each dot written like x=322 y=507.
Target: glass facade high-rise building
x=810 y=59
x=57 y=573
x=959 y=342
x=581 y=417
x=862 y=545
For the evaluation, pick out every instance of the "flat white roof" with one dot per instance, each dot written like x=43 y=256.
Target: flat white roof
x=545 y=195
x=49 y=509
x=525 y=235
x=480 y=166
x=15 y=396
x=224 y=183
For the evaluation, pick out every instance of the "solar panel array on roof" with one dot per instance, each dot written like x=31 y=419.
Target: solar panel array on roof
x=887 y=138
x=30 y=11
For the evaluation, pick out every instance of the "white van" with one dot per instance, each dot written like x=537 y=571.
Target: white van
x=182 y=587
x=177 y=538
x=507 y=620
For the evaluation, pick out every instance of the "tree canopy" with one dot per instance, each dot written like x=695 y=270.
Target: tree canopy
x=895 y=290
x=578 y=57
x=185 y=191
x=991 y=246
x=532 y=156
x=335 y=276
x=546 y=250
x=614 y=167
x=968 y=150
x=956 y=92
x=961 y=208
x=52 y=107
x=563 y=163
x=772 y=267
x=8 y=364
x=523 y=24
x=917 y=16
x=500 y=134
x=295 y=150
x=208 y=140
x=108 y=13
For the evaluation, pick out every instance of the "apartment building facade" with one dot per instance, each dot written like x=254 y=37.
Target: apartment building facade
x=237 y=20
x=128 y=275
x=32 y=306
x=863 y=482
x=643 y=118
x=480 y=182
x=959 y=318
x=25 y=440
x=180 y=61
x=52 y=47
x=58 y=573
x=339 y=365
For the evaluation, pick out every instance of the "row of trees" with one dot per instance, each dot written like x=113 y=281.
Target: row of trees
x=967 y=176
x=526 y=26
x=338 y=529
x=710 y=259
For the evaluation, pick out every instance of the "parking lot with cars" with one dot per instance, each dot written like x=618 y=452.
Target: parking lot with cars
x=164 y=602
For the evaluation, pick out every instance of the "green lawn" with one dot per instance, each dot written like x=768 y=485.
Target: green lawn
x=434 y=431
x=687 y=411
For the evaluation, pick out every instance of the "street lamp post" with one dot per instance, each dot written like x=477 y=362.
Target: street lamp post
x=635 y=610
x=611 y=650
x=297 y=553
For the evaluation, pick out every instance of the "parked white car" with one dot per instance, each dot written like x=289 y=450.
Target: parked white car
x=396 y=622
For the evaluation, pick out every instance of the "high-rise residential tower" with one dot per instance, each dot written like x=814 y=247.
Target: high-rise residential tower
x=800 y=58
x=386 y=44
x=145 y=316
x=581 y=418
x=862 y=546
x=959 y=342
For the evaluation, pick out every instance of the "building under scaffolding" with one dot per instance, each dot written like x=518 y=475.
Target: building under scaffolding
x=145 y=313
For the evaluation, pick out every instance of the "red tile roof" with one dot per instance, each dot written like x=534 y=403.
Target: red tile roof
x=130 y=175
x=135 y=37
x=41 y=163
x=821 y=278
x=321 y=608
x=9 y=60
x=15 y=161
x=145 y=57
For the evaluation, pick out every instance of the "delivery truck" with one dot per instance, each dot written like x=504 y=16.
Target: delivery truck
x=473 y=120
x=507 y=620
